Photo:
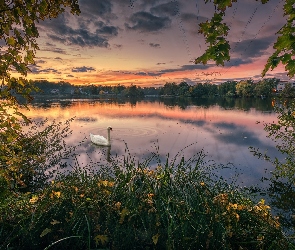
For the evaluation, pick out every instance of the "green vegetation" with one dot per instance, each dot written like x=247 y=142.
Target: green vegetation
x=243 y=88
x=175 y=206
x=215 y=32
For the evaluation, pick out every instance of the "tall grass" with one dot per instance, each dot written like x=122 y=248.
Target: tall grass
x=181 y=205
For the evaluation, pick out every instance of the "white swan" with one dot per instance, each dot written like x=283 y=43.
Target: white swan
x=100 y=140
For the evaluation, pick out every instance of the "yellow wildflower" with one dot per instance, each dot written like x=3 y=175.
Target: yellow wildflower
x=151 y=196
x=34 y=199
x=118 y=205
x=235 y=206
x=55 y=194
x=123 y=214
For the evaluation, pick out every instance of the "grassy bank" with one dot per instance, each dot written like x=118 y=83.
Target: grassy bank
x=129 y=206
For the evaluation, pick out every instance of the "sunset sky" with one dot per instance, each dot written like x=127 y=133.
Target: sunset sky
x=151 y=42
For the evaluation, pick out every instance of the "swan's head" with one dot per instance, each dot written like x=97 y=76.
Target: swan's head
x=110 y=128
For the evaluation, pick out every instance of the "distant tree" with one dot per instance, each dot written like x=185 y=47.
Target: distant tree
x=212 y=89
x=265 y=87
x=170 y=88
x=183 y=89
x=151 y=91
x=117 y=90
x=245 y=88
x=133 y=91
x=199 y=90
x=227 y=88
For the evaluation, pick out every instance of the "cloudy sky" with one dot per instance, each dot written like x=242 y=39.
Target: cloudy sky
x=151 y=42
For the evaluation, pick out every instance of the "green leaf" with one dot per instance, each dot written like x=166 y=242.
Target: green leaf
x=11 y=41
x=45 y=231
x=290 y=67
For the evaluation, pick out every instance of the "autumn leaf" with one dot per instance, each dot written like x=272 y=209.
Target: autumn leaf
x=155 y=238
x=53 y=222
x=101 y=238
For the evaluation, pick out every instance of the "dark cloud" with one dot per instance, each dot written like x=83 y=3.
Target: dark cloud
x=83 y=69
x=70 y=76
x=195 y=66
x=147 y=22
x=170 y=9
x=192 y=21
x=118 y=46
x=101 y=8
x=35 y=69
x=155 y=45
x=108 y=31
x=88 y=32
x=192 y=18
x=141 y=73
x=238 y=62
x=251 y=48
x=65 y=34
x=40 y=61
x=161 y=72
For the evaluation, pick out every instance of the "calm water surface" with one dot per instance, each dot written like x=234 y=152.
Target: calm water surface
x=224 y=129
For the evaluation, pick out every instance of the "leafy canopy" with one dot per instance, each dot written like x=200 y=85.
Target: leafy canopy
x=215 y=32
x=18 y=31
x=23 y=155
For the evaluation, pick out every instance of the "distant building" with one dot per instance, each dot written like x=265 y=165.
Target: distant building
x=281 y=85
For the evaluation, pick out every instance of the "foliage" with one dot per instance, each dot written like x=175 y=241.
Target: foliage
x=245 y=88
x=227 y=88
x=26 y=157
x=283 y=133
x=288 y=91
x=265 y=87
x=129 y=206
x=215 y=32
x=23 y=155
x=19 y=32
x=282 y=187
x=133 y=91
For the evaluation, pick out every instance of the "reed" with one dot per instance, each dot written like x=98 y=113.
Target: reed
x=176 y=205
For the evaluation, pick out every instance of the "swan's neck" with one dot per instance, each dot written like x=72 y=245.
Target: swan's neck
x=109 y=136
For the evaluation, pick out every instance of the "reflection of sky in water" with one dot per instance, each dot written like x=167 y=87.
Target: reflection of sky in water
x=225 y=135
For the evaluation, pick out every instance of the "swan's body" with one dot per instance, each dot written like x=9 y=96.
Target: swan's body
x=100 y=140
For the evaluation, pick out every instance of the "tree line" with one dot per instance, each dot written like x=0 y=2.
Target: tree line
x=244 y=88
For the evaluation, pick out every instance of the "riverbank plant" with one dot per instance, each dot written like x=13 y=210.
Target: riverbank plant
x=127 y=205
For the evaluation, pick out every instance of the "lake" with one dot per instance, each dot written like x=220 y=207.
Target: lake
x=223 y=128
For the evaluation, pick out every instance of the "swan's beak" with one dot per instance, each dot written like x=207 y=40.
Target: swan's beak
x=111 y=128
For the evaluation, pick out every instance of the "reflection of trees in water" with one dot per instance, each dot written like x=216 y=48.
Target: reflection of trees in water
x=226 y=103
x=181 y=102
